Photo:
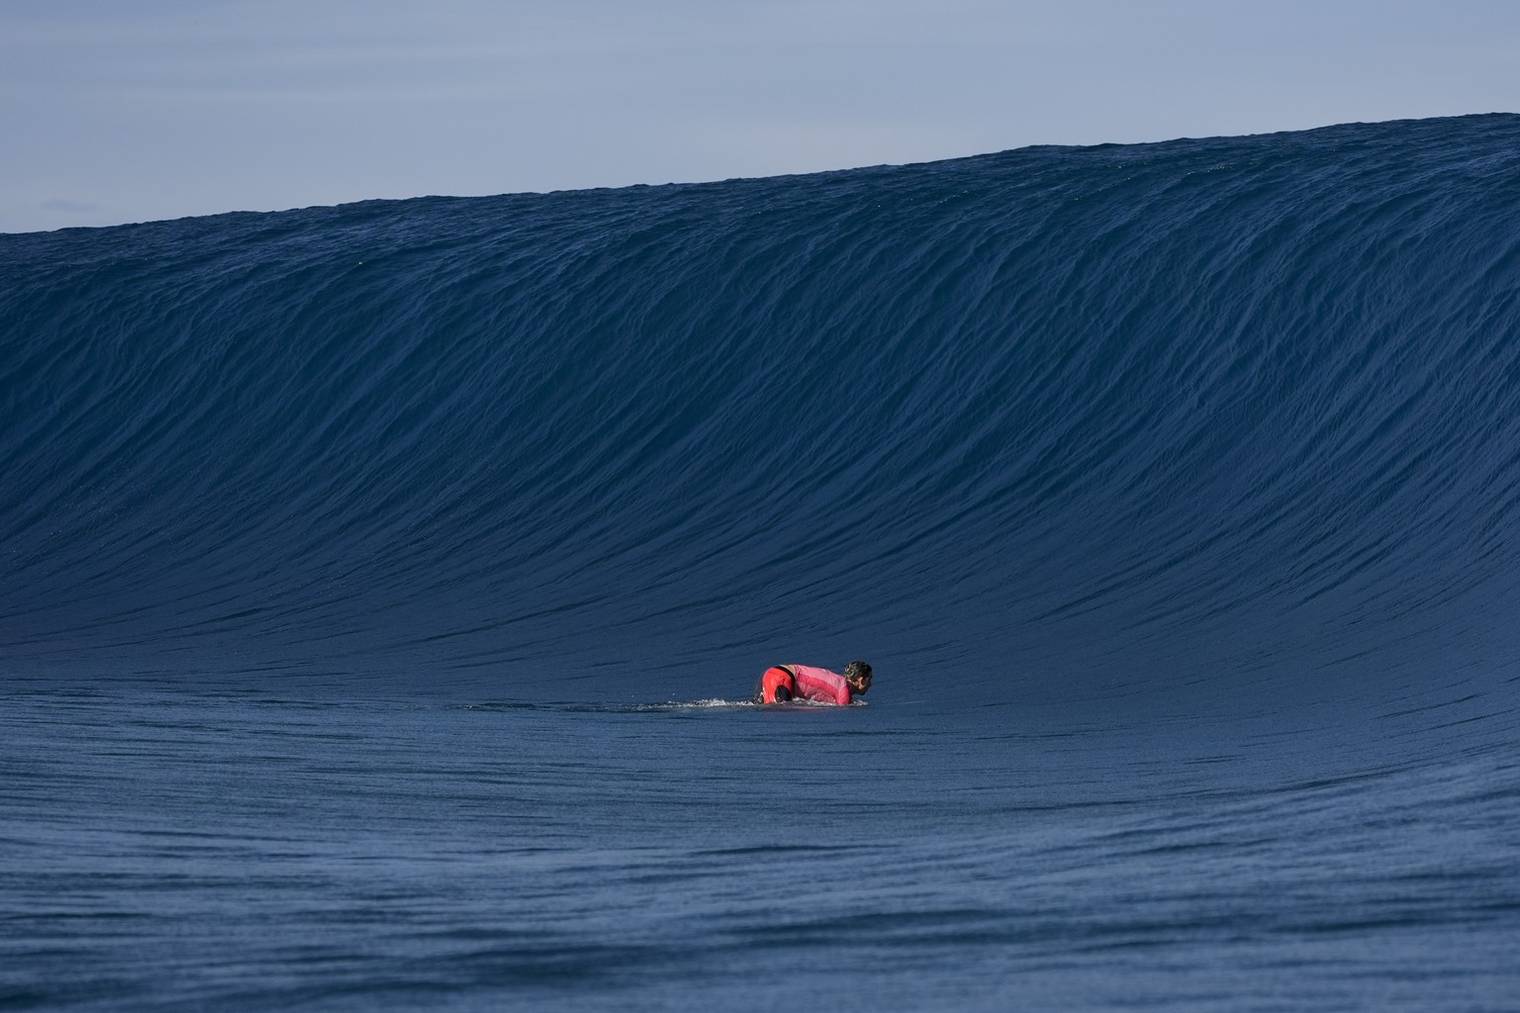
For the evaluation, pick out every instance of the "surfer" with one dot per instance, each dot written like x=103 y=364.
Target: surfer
x=782 y=683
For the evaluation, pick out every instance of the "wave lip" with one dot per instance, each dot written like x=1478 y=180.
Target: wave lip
x=1213 y=417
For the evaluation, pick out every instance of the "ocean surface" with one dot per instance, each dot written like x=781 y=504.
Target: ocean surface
x=381 y=589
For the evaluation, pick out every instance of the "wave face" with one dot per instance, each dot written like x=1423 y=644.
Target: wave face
x=1206 y=419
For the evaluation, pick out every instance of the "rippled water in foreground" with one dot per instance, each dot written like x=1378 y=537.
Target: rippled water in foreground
x=243 y=850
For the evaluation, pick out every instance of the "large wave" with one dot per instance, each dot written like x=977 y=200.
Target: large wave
x=1207 y=417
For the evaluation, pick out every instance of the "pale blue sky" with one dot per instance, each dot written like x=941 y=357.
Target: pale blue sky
x=113 y=112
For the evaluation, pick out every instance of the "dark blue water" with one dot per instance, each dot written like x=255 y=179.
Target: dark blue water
x=368 y=576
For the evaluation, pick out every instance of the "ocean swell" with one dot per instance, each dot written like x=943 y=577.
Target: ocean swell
x=1207 y=419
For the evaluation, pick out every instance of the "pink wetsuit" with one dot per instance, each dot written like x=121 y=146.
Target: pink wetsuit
x=805 y=682
x=821 y=685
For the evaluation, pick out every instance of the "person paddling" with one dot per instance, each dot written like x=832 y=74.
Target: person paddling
x=783 y=683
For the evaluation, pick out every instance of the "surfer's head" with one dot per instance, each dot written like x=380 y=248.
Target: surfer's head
x=858 y=675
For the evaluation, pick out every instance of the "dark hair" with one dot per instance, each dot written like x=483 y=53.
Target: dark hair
x=857 y=669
